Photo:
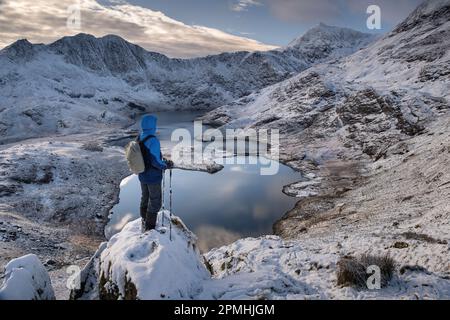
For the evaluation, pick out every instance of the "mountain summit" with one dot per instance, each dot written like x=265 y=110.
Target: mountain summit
x=330 y=37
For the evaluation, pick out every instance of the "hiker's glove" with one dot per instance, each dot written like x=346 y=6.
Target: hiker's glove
x=169 y=164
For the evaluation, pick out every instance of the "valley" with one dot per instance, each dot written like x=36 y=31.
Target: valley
x=363 y=120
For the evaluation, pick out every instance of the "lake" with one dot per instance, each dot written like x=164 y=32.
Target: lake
x=219 y=208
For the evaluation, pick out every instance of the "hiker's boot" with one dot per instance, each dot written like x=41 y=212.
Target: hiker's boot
x=150 y=221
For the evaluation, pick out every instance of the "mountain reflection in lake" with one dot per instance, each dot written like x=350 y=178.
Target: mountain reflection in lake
x=219 y=208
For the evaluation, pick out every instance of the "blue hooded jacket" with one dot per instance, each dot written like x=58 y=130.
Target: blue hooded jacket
x=154 y=164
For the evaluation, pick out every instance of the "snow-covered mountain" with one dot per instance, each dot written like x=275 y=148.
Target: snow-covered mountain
x=385 y=91
x=324 y=38
x=370 y=135
x=69 y=84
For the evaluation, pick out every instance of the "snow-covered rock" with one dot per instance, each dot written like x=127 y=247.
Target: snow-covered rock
x=151 y=266
x=26 y=279
x=324 y=39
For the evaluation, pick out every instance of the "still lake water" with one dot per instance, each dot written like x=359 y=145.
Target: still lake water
x=219 y=208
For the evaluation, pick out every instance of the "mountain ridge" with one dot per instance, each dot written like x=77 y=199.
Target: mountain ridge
x=113 y=80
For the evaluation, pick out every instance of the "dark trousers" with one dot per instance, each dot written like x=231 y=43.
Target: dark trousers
x=150 y=203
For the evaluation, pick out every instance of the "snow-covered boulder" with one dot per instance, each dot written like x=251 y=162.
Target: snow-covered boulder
x=26 y=279
x=137 y=265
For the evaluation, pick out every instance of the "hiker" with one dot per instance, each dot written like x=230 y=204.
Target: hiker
x=152 y=176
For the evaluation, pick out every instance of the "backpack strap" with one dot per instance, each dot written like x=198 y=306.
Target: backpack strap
x=142 y=145
x=145 y=139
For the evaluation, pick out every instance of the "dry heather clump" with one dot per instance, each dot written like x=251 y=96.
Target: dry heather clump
x=92 y=146
x=353 y=271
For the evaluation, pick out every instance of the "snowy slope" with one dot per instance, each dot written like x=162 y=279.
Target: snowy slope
x=145 y=266
x=383 y=92
x=81 y=82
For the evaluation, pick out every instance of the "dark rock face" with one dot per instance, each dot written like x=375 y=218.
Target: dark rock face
x=134 y=105
x=9 y=189
x=21 y=50
x=108 y=290
x=35 y=175
x=435 y=17
x=373 y=120
x=360 y=105
x=424 y=39
x=110 y=53
x=373 y=110
x=434 y=72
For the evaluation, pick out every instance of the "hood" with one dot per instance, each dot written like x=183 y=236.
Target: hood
x=148 y=124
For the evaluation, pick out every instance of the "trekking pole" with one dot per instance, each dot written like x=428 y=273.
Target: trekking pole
x=170 y=204
x=162 y=195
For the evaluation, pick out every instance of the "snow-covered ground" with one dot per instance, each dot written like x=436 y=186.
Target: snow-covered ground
x=56 y=194
x=133 y=265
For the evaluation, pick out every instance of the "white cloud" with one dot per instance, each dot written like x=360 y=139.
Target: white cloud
x=243 y=5
x=46 y=20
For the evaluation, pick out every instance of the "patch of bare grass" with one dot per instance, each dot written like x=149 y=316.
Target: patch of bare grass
x=352 y=271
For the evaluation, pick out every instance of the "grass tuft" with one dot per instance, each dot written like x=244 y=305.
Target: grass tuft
x=353 y=271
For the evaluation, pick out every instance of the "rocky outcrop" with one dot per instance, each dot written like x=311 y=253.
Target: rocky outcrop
x=26 y=279
x=141 y=266
x=21 y=51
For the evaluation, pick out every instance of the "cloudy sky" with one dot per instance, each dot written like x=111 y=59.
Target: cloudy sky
x=188 y=28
